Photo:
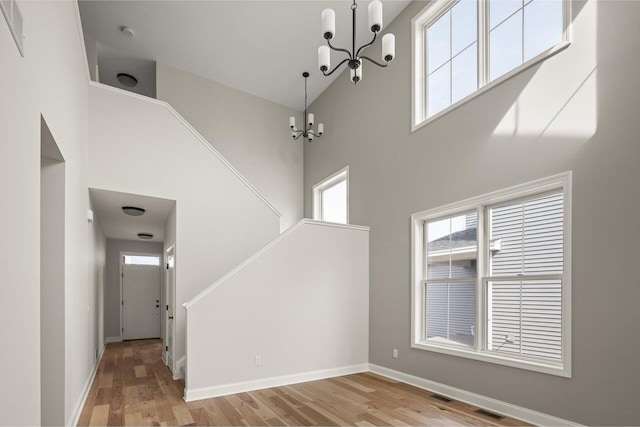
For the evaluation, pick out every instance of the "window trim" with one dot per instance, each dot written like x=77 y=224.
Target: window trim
x=328 y=182
x=563 y=368
x=432 y=12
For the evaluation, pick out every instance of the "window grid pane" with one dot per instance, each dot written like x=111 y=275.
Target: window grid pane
x=543 y=26
x=334 y=203
x=450 y=313
x=531 y=237
x=525 y=318
x=141 y=260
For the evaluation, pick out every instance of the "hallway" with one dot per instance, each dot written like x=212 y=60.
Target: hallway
x=134 y=387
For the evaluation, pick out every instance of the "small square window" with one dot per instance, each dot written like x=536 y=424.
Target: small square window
x=331 y=198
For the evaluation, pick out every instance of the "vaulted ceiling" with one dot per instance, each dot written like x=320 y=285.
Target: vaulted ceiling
x=260 y=47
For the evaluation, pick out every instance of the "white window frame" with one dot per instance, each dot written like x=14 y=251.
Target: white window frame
x=478 y=352
x=330 y=181
x=431 y=13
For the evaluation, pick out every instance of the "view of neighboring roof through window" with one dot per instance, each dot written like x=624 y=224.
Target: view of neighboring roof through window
x=467 y=44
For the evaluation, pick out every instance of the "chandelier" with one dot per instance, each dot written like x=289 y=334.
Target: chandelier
x=308 y=133
x=354 y=59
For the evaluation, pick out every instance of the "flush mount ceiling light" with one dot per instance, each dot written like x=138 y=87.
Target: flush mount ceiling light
x=127 y=80
x=145 y=236
x=133 y=211
x=308 y=133
x=354 y=59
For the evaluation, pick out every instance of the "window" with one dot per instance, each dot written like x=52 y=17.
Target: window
x=331 y=198
x=141 y=260
x=492 y=278
x=464 y=46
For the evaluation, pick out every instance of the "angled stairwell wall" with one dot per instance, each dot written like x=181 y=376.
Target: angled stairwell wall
x=301 y=305
x=142 y=146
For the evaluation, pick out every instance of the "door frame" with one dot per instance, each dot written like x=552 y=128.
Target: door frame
x=120 y=277
x=170 y=251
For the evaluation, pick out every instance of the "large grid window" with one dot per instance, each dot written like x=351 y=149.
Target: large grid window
x=462 y=46
x=492 y=277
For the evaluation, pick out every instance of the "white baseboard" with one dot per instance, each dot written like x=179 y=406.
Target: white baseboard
x=77 y=410
x=494 y=405
x=180 y=367
x=113 y=339
x=241 y=387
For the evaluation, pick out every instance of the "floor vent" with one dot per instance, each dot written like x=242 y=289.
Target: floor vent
x=489 y=414
x=442 y=398
x=14 y=19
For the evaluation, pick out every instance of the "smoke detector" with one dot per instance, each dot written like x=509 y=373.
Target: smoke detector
x=127 y=31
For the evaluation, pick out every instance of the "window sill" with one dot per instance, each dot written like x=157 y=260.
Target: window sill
x=530 y=63
x=551 y=369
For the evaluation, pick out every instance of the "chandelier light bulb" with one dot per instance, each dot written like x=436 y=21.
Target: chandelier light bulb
x=375 y=16
x=324 y=58
x=388 y=47
x=328 y=24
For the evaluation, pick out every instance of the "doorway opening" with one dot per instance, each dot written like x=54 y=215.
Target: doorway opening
x=52 y=276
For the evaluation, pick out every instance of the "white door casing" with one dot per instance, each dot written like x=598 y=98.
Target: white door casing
x=170 y=307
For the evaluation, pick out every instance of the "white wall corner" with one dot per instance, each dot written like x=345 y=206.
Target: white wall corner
x=490 y=404
x=180 y=368
x=112 y=339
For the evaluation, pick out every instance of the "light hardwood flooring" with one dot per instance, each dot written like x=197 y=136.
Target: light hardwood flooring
x=134 y=387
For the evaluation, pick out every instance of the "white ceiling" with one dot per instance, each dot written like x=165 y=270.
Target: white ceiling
x=260 y=46
x=117 y=225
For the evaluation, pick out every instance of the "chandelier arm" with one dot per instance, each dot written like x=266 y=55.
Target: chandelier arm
x=379 y=64
x=363 y=47
x=335 y=68
x=295 y=138
x=339 y=49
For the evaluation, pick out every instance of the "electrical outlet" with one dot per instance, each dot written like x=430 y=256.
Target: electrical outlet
x=395 y=353
x=258 y=360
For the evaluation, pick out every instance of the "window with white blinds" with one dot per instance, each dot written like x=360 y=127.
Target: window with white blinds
x=491 y=277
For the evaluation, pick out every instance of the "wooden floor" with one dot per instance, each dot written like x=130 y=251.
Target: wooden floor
x=134 y=387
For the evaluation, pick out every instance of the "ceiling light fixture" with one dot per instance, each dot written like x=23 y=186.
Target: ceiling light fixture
x=145 y=236
x=355 y=59
x=308 y=133
x=127 y=80
x=133 y=211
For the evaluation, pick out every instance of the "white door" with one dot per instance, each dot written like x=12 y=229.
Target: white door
x=140 y=301
x=171 y=289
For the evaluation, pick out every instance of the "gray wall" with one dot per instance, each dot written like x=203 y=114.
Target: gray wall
x=250 y=132
x=576 y=111
x=112 y=283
